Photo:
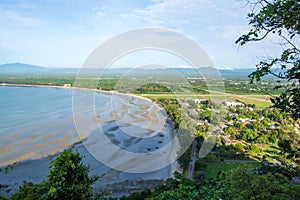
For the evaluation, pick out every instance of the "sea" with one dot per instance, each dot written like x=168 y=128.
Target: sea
x=136 y=143
x=36 y=121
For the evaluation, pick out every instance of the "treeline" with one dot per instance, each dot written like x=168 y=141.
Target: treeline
x=153 y=88
x=171 y=106
x=52 y=81
x=137 y=86
x=244 y=87
x=185 y=129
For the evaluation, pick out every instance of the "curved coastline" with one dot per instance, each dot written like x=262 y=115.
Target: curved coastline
x=80 y=140
x=115 y=177
x=110 y=92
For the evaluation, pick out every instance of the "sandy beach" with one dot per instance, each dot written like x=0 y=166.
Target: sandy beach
x=133 y=128
x=78 y=88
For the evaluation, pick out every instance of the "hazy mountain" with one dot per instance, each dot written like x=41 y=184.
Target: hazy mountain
x=241 y=72
x=13 y=68
x=21 y=68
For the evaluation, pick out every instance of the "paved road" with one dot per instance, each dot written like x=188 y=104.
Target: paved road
x=192 y=163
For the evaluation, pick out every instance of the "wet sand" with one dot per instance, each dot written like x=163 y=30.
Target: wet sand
x=140 y=119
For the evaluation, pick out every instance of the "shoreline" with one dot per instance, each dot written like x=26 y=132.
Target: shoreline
x=39 y=165
x=80 y=140
x=107 y=92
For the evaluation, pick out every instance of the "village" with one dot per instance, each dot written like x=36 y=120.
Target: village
x=243 y=132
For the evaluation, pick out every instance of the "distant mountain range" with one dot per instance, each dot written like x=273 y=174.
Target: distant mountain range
x=22 y=68
x=27 y=69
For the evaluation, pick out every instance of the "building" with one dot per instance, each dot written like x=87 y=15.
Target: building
x=272 y=126
x=201 y=101
x=67 y=85
x=225 y=140
x=250 y=109
x=244 y=120
x=234 y=103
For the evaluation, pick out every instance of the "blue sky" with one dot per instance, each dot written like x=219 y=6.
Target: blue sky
x=62 y=33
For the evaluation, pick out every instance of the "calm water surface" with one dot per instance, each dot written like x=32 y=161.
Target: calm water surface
x=35 y=121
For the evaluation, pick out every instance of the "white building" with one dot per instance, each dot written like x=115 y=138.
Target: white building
x=67 y=85
x=233 y=103
x=244 y=120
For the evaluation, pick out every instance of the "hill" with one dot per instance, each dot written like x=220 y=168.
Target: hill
x=22 y=69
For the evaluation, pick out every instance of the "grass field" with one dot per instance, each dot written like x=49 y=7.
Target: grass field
x=259 y=100
x=249 y=100
x=262 y=97
x=215 y=167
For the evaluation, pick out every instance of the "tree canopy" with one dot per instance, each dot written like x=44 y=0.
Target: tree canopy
x=68 y=179
x=278 y=18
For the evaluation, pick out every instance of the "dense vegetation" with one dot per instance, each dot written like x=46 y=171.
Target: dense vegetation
x=184 y=128
x=37 y=80
x=258 y=153
x=265 y=87
x=258 y=164
x=280 y=19
x=153 y=88
x=140 y=86
x=241 y=183
x=68 y=179
x=245 y=169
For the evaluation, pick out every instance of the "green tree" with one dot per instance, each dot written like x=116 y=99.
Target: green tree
x=249 y=135
x=185 y=159
x=31 y=192
x=279 y=18
x=253 y=148
x=244 y=183
x=289 y=149
x=231 y=130
x=238 y=125
x=68 y=179
x=239 y=147
x=182 y=192
x=192 y=104
x=205 y=115
x=262 y=139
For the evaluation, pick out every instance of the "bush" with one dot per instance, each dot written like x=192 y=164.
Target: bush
x=239 y=147
x=253 y=148
x=200 y=165
x=68 y=179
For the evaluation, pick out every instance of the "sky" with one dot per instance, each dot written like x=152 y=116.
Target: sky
x=62 y=33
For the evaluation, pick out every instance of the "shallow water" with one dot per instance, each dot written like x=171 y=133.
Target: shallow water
x=36 y=121
x=127 y=138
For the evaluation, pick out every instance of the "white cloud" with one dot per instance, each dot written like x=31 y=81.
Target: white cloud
x=171 y=13
x=18 y=19
x=185 y=12
x=64 y=32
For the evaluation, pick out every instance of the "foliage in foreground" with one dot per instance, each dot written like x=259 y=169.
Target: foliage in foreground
x=279 y=18
x=240 y=183
x=68 y=179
